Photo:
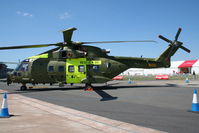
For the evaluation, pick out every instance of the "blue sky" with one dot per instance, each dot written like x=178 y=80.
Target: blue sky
x=26 y=22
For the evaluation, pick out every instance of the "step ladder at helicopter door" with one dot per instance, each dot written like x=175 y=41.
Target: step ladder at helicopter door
x=75 y=70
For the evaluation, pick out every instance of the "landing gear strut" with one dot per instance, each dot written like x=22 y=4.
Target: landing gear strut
x=8 y=81
x=88 y=87
x=23 y=87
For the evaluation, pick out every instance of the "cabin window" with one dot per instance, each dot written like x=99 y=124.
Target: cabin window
x=96 y=68
x=71 y=69
x=51 y=68
x=61 y=69
x=108 y=65
x=81 y=68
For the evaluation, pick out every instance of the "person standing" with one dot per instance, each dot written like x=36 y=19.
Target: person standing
x=194 y=75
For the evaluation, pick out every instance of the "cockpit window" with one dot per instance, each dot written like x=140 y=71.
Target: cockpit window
x=22 y=67
x=26 y=60
x=18 y=67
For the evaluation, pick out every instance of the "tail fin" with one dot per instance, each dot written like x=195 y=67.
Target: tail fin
x=68 y=34
x=171 y=50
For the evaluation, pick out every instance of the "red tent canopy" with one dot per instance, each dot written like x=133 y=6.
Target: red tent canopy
x=188 y=63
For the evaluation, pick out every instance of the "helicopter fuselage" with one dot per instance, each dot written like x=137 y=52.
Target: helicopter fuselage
x=91 y=66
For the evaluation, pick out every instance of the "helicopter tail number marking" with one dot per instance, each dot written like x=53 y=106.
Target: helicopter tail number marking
x=152 y=65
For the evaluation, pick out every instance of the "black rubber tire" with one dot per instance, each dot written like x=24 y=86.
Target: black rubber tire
x=23 y=88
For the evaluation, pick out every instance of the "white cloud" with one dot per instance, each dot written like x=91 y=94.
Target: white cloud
x=24 y=14
x=65 y=15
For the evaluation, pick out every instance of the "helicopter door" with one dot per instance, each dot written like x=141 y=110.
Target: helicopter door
x=75 y=70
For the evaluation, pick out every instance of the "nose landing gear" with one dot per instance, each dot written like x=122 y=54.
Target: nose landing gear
x=8 y=81
x=23 y=87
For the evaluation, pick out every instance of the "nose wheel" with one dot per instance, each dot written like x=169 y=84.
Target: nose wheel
x=8 y=81
x=23 y=87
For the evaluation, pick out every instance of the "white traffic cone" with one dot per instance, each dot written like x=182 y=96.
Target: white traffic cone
x=195 y=105
x=4 y=108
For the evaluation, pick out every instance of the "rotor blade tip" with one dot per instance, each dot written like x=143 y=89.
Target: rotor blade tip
x=69 y=29
x=179 y=29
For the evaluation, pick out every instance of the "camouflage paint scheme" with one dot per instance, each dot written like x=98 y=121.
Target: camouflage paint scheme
x=106 y=66
x=72 y=62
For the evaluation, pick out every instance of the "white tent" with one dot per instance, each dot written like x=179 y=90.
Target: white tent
x=173 y=69
x=195 y=67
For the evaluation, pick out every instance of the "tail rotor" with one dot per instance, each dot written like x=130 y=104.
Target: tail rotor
x=174 y=44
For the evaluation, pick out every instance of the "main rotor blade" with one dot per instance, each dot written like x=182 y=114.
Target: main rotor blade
x=177 y=34
x=9 y=62
x=29 y=46
x=51 y=50
x=165 y=39
x=185 y=49
x=115 y=41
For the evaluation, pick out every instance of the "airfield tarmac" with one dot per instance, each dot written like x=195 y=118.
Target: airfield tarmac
x=161 y=105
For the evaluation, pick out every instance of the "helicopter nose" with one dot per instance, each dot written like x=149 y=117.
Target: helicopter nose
x=10 y=74
x=9 y=77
